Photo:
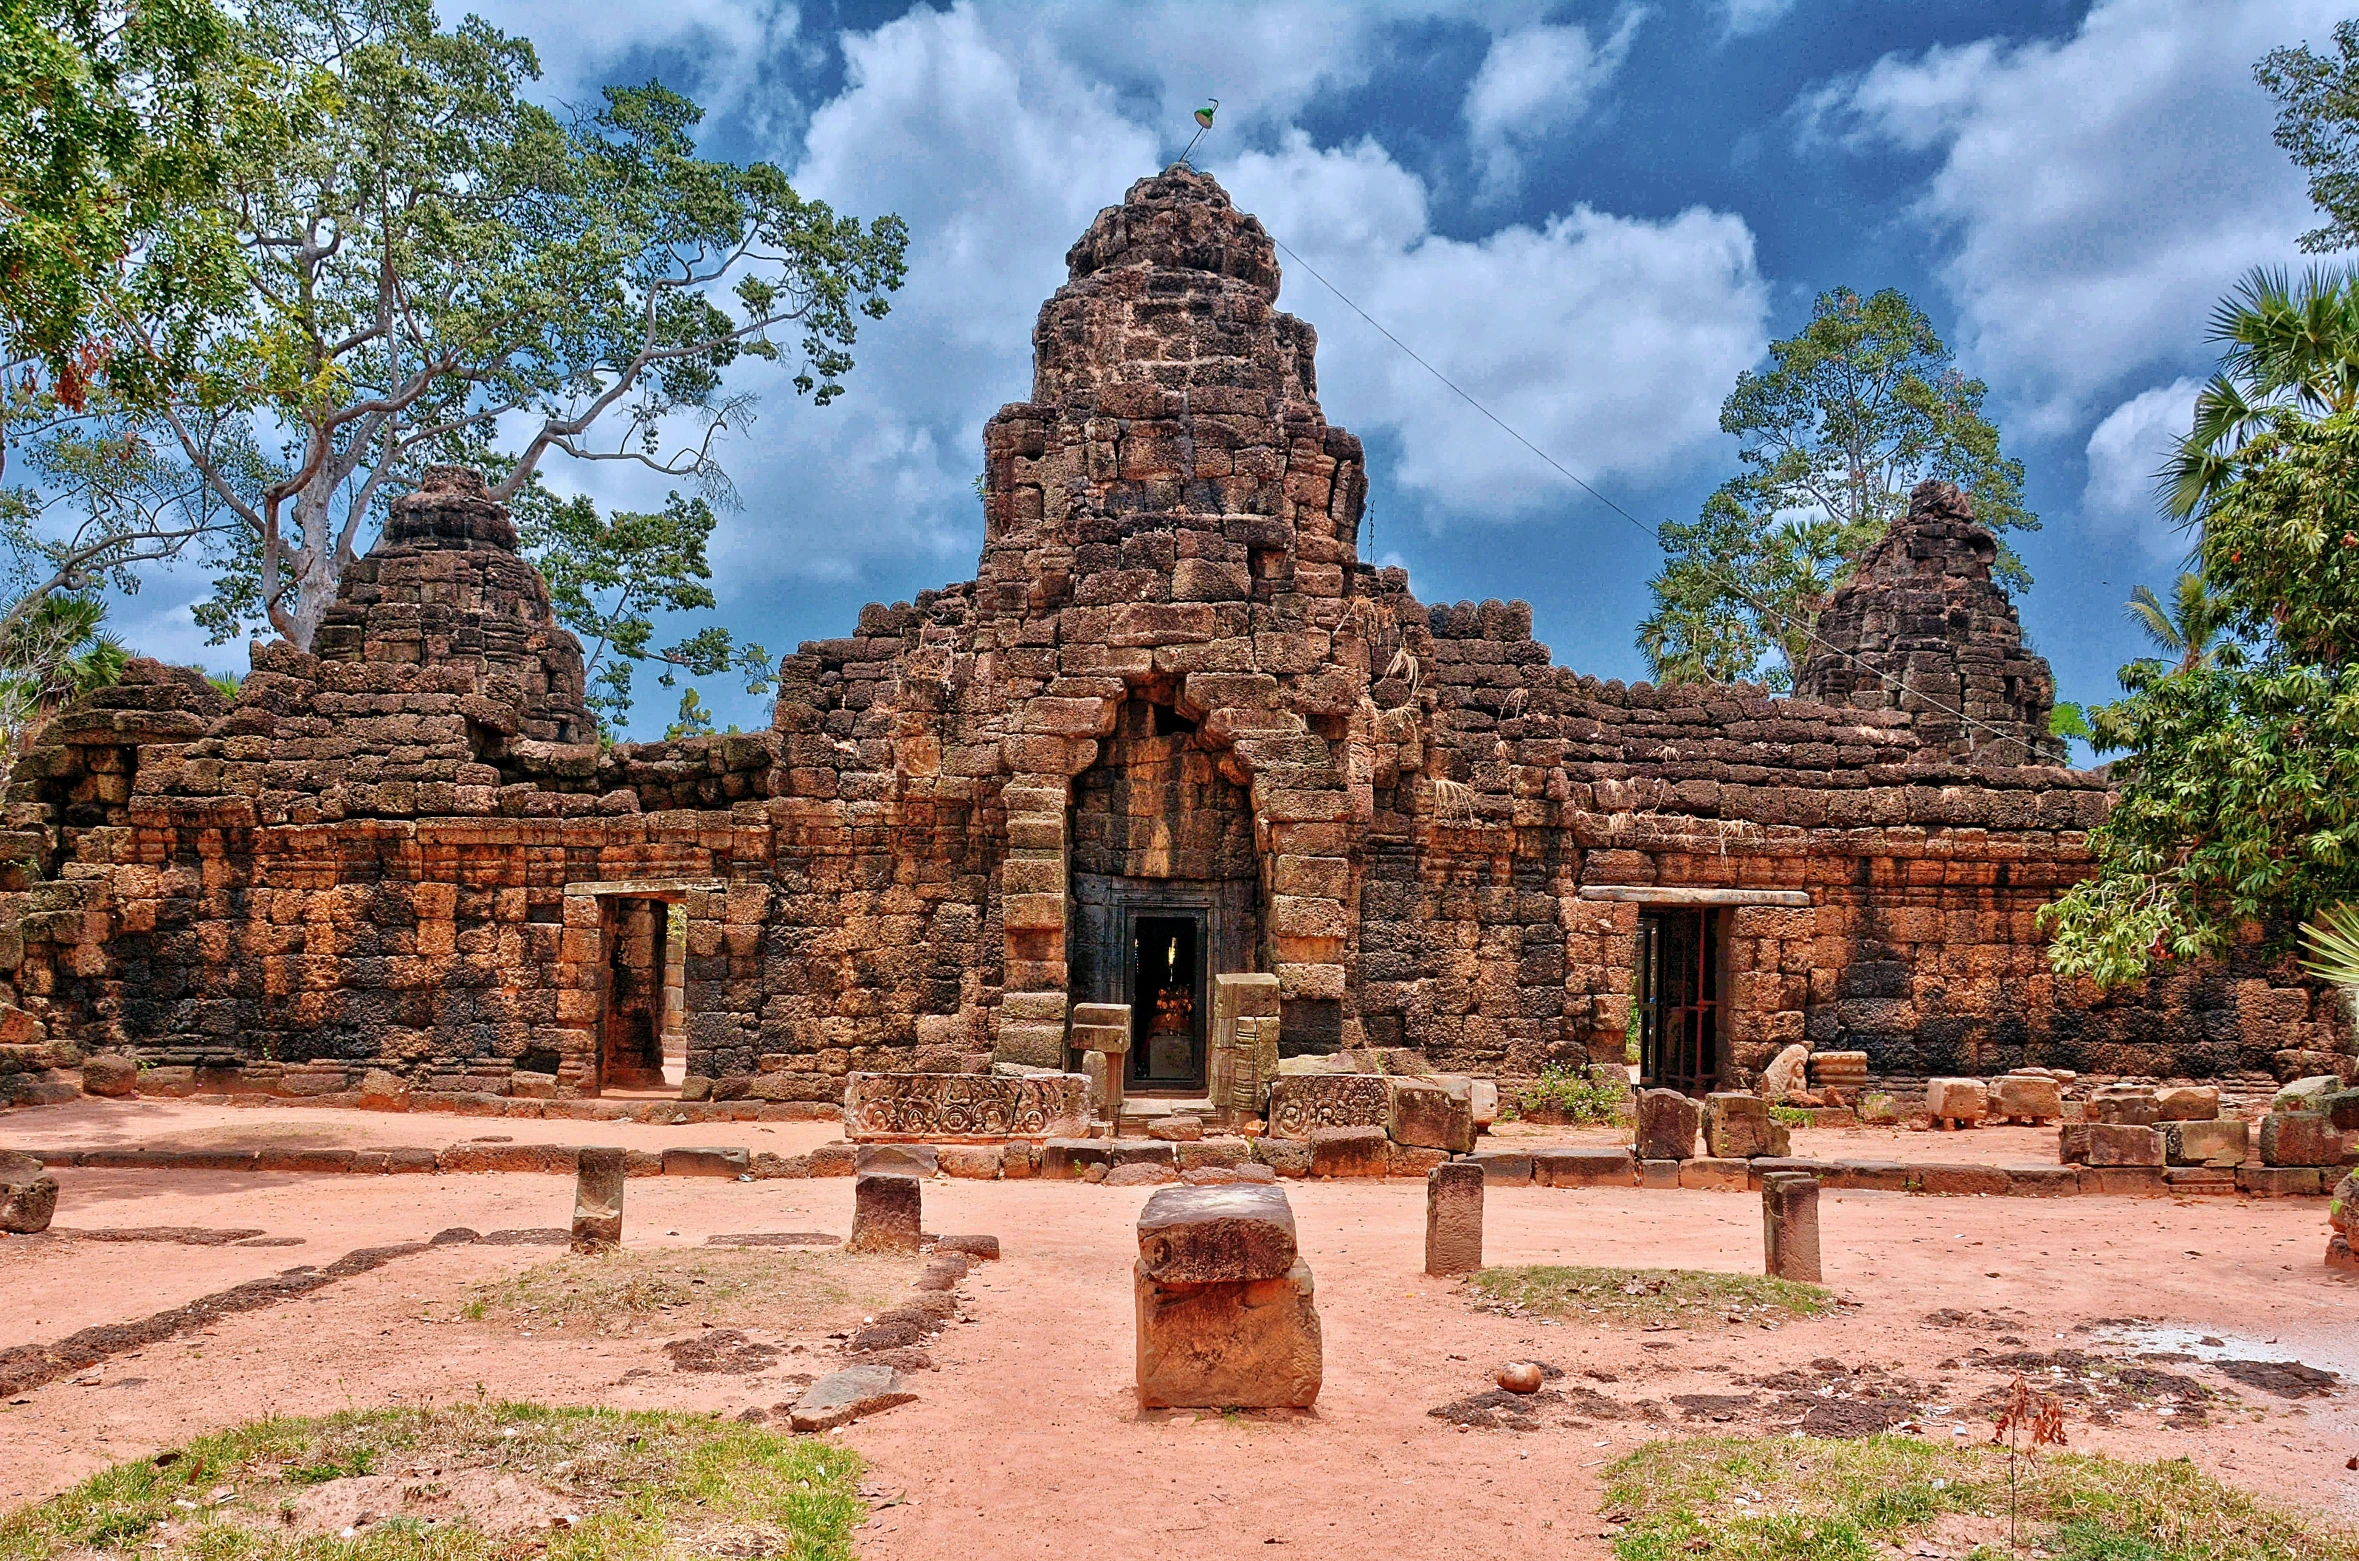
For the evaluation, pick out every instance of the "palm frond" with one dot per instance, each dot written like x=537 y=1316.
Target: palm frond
x=2331 y=939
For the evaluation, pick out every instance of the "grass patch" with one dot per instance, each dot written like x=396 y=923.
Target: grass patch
x=1572 y=1096
x=662 y=1290
x=1800 y=1499
x=480 y=1483
x=1688 y=1297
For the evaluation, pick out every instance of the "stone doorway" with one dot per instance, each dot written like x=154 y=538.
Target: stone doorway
x=1678 y=999
x=633 y=1019
x=1167 y=982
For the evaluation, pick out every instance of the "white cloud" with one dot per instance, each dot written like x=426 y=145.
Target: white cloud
x=1533 y=81
x=726 y=54
x=1746 y=17
x=2098 y=193
x=1607 y=341
x=2125 y=452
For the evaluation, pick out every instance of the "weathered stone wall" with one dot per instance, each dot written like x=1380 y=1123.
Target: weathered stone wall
x=403 y=858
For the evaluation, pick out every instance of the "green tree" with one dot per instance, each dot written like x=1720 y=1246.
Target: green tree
x=1860 y=406
x=109 y=153
x=433 y=268
x=2290 y=351
x=2318 y=126
x=55 y=651
x=2239 y=797
x=608 y=580
x=2188 y=631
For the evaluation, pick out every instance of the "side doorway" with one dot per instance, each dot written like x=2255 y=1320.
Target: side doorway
x=1678 y=999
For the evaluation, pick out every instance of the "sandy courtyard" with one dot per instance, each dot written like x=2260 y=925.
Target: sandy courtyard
x=1028 y=1434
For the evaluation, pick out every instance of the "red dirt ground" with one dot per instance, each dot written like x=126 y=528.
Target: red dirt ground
x=1028 y=1439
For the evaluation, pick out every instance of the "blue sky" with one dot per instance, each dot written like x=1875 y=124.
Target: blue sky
x=1594 y=216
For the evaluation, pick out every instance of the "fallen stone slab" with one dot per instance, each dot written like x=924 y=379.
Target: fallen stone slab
x=1350 y=1151
x=982 y=1248
x=1503 y=1167
x=841 y=1397
x=1584 y=1168
x=688 y=1161
x=1668 y=1123
x=28 y=1195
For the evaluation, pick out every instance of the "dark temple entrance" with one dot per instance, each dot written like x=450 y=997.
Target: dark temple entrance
x=630 y=1040
x=1167 y=996
x=1679 y=1000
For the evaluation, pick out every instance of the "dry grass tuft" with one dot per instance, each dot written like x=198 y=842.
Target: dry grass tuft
x=665 y=1289
x=1648 y=1296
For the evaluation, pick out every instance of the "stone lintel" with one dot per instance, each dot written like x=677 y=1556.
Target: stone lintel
x=1650 y=894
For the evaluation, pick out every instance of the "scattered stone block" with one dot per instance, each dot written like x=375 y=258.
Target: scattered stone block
x=1454 y=1218
x=1197 y=1235
x=2219 y=1142
x=975 y=1162
x=1667 y=1125
x=1284 y=1156
x=2341 y=1108
x=1789 y=1227
x=2187 y=1103
x=599 y=1173
x=1241 y=1336
x=1844 y=1070
x=841 y=1397
x=1427 y=1116
x=110 y=1074
x=1962 y=1181
x=1866 y=1176
x=1712 y=1174
x=2043 y=1181
x=1142 y=1173
x=2279 y=1181
x=1584 y=1167
x=2130 y=1105
x=2300 y=1138
x=983 y=1249
x=1302 y=1104
x=1226 y=1175
x=690 y=1161
x=1957 y=1102
x=2072 y=1142
x=28 y=1195
x=1143 y=1151
x=907 y=1159
x=941 y=1107
x=1178 y=1128
x=1736 y=1125
x=1503 y=1167
x=1067 y=1159
x=2305 y=1093
x=2122 y=1143
x=886 y=1213
x=1482 y=1098
x=2131 y=1181
x=1215 y=1151
x=1659 y=1175
x=2198 y=1181
x=2027 y=1097
x=1350 y=1151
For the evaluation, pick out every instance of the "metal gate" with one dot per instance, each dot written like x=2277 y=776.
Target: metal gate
x=1679 y=1000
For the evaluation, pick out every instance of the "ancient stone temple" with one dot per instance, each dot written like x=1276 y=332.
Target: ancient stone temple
x=1174 y=731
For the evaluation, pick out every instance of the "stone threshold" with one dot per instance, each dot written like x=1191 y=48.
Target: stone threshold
x=1070 y=1160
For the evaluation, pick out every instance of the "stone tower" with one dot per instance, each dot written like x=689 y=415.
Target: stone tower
x=1923 y=629
x=444 y=586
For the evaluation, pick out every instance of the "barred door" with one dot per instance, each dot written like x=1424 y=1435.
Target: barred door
x=1678 y=1000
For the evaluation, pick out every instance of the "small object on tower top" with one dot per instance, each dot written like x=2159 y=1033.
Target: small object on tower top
x=1203 y=123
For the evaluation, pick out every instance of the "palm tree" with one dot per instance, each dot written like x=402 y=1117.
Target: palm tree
x=2189 y=629
x=2291 y=350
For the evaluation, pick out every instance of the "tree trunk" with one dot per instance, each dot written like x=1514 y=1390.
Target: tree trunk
x=313 y=569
